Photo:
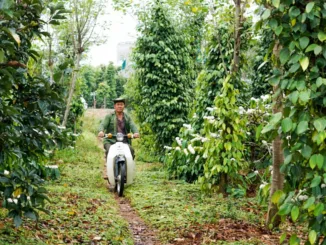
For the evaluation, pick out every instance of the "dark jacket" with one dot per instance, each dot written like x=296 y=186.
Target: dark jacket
x=109 y=125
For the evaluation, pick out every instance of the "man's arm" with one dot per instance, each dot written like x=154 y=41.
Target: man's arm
x=134 y=129
x=104 y=124
x=132 y=125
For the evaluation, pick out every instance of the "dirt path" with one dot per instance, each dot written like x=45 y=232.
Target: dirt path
x=143 y=235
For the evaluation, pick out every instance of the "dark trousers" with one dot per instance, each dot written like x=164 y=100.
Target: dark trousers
x=107 y=148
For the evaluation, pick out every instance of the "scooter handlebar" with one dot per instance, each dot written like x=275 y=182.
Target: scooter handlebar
x=110 y=136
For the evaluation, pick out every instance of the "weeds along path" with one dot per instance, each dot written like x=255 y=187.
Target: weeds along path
x=142 y=234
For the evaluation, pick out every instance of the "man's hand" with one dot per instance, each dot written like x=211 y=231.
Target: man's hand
x=100 y=134
x=136 y=135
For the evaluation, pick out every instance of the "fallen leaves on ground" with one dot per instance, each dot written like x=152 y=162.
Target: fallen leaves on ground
x=226 y=230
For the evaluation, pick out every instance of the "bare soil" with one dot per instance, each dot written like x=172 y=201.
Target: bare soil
x=98 y=113
x=227 y=230
x=143 y=235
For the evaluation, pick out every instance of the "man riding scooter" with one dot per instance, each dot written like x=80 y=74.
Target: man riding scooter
x=118 y=122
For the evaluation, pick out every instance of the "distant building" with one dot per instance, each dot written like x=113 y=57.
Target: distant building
x=124 y=50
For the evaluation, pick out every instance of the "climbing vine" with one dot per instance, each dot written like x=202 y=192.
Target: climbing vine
x=163 y=72
x=299 y=26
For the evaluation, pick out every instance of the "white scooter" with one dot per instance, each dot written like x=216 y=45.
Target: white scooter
x=120 y=165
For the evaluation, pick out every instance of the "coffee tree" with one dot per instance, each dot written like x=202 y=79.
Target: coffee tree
x=29 y=110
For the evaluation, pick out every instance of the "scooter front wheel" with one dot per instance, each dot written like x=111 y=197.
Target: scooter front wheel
x=121 y=179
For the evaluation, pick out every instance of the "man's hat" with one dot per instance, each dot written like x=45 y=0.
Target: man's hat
x=119 y=100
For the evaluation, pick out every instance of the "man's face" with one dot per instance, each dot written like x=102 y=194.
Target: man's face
x=119 y=106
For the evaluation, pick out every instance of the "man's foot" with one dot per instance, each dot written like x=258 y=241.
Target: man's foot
x=111 y=188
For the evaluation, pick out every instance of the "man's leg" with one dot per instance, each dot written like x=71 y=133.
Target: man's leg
x=107 y=148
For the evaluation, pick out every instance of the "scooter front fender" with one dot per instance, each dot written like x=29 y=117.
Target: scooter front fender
x=116 y=149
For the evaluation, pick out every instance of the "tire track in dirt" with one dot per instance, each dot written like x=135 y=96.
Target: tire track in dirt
x=143 y=235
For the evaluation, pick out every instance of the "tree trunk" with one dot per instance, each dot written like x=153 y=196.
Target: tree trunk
x=50 y=62
x=237 y=40
x=72 y=89
x=104 y=103
x=278 y=158
x=222 y=184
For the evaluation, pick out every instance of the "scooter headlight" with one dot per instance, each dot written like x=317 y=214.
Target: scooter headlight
x=119 y=137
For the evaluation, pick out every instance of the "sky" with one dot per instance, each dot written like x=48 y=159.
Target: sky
x=122 y=28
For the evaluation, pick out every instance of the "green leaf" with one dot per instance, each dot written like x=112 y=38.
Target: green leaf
x=13 y=34
x=6 y=4
x=284 y=55
x=316 y=159
x=302 y=127
x=285 y=208
x=304 y=96
x=294 y=97
x=274 y=81
x=318 y=50
x=266 y=14
x=273 y=23
x=319 y=81
x=311 y=47
x=258 y=131
x=294 y=68
x=228 y=146
x=322 y=36
x=278 y=30
x=277 y=196
x=31 y=215
x=2 y=56
x=276 y=118
x=304 y=62
x=306 y=151
x=286 y=125
x=276 y=3
x=312 y=237
x=319 y=209
x=288 y=159
x=54 y=22
x=294 y=12
x=320 y=124
x=301 y=84
x=4 y=180
x=17 y=220
x=309 y=202
x=315 y=182
x=267 y=128
x=282 y=238
x=294 y=240
x=304 y=41
x=295 y=213
x=309 y=7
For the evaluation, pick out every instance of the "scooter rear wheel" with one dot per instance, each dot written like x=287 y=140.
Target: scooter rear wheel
x=121 y=179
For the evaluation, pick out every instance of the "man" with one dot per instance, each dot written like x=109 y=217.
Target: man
x=118 y=122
